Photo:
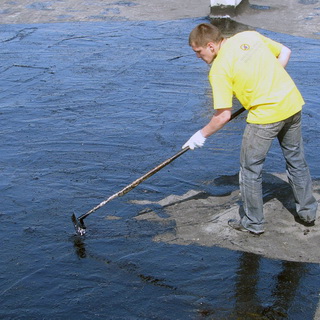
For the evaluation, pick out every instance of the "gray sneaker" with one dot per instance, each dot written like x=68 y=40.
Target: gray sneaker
x=236 y=224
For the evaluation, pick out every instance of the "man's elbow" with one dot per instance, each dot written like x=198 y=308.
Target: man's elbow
x=284 y=56
x=287 y=51
x=226 y=116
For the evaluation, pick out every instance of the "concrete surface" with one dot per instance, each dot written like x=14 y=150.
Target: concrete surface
x=296 y=17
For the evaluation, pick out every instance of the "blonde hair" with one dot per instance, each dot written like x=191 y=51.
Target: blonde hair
x=204 y=33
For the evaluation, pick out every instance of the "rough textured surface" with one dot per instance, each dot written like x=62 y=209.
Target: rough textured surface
x=121 y=268
x=295 y=17
x=267 y=14
x=29 y=11
x=199 y=218
x=203 y=220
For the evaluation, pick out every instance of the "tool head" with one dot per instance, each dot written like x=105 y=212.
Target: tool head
x=78 y=225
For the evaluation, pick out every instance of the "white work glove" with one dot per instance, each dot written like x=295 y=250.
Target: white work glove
x=196 y=141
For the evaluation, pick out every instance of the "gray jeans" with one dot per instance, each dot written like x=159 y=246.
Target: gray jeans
x=257 y=140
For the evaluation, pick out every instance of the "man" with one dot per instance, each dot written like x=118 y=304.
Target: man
x=251 y=67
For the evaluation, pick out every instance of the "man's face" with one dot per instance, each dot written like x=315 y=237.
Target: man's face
x=207 y=54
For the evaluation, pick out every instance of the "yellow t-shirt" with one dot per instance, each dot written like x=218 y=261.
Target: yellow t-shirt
x=246 y=66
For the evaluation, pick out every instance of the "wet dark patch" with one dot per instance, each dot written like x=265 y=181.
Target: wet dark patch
x=40 y=6
x=6 y=11
x=228 y=26
x=227 y=180
x=259 y=7
x=109 y=10
x=308 y=1
x=21 y=34
x=79 y=246
x=64 y=17
x=124 y=3
x=156 y=282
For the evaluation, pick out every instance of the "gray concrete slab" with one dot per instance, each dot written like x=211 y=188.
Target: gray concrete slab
x=295 y=17
x=30 y=11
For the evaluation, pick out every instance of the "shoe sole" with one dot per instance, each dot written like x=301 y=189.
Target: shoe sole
x=240 y=228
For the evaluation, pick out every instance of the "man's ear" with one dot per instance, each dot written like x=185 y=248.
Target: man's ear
x=211 y=45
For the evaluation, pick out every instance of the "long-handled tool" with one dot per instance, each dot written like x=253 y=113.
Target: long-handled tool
x=78 y=222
